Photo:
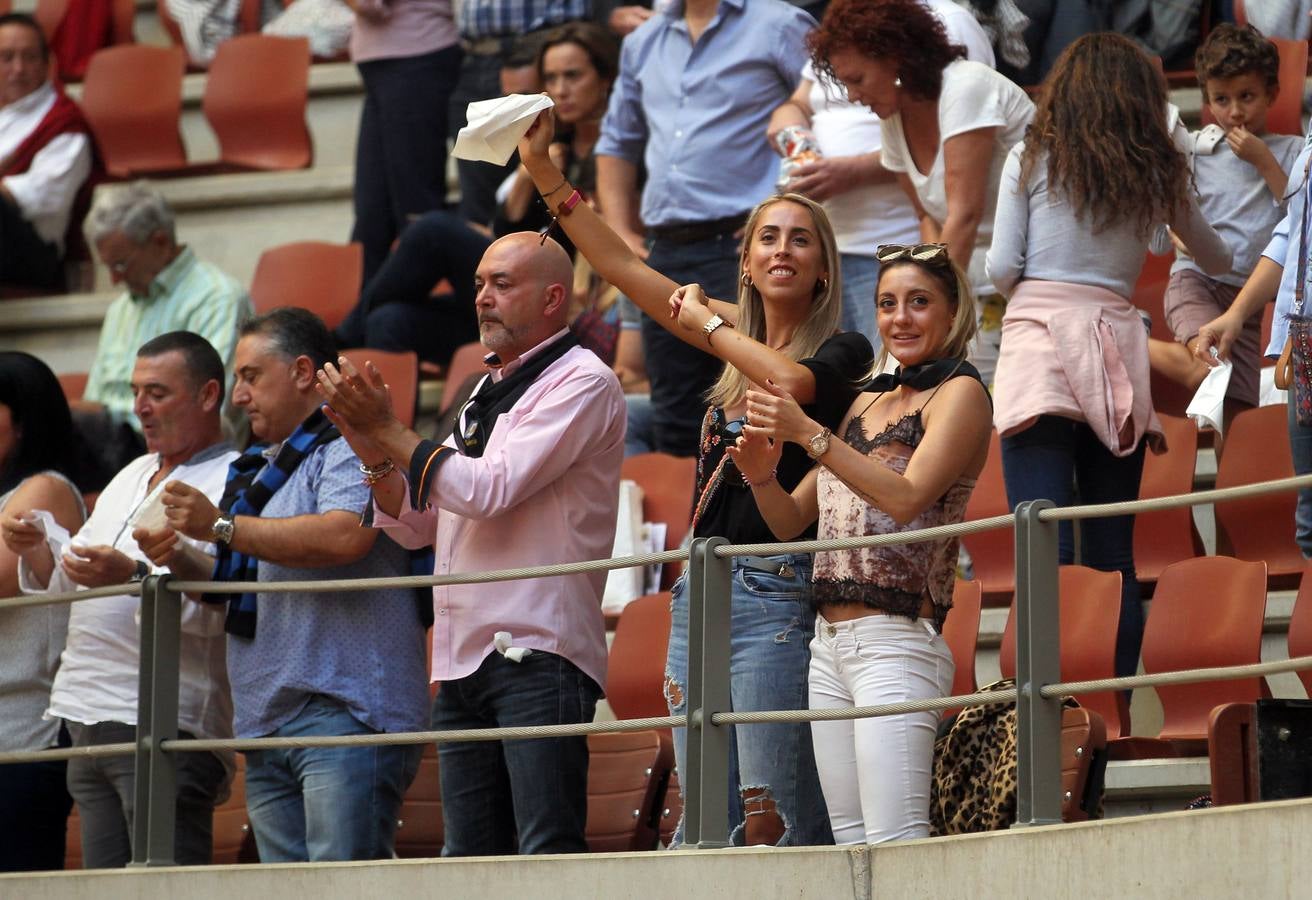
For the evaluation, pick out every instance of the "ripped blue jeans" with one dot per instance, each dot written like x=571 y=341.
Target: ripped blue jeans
x=773 y=765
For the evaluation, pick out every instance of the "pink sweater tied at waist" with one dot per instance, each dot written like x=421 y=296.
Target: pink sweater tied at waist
x=1076 y=351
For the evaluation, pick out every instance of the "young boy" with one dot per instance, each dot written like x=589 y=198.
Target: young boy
x=1241 y=173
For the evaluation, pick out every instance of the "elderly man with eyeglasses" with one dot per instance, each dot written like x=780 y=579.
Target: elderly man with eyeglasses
x=168 y=288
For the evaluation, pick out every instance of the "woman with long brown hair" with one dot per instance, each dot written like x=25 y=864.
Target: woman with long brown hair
x=1080 y=197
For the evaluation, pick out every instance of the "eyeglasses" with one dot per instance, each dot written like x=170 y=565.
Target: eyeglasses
x=121 y=266
x=935 y=254
x=734 y=427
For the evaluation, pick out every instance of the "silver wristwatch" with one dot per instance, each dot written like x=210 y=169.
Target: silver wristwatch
x=221 y=530
x=818 y=446
x=712 y=323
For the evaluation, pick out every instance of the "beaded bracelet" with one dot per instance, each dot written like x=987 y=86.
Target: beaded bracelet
x=759 y=484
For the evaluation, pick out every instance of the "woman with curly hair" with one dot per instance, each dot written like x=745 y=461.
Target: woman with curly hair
x=1080 y=197
x=947 y=123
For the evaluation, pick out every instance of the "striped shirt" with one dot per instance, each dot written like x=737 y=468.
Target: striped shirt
x=506 y=18
x=187 y=295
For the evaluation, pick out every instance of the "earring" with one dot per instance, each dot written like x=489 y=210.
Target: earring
x=822 y=285
x=897 y=82
x=747 y=279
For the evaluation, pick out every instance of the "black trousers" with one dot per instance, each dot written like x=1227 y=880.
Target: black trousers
x=480 y=79
x=400 y=155
x=26 y=258
x=34 y=808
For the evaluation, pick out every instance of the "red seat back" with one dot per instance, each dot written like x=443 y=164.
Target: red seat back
x=321 y=277
x=992 y=553
x=132 y=99
x=1167 y=536
x=255 y=101
x=401 y=373
x=1261 y=527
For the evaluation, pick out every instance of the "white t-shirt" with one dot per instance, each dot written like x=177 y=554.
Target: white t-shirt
x=97 y=678
x=962 y=29
x=874 y=214
x=973 y=96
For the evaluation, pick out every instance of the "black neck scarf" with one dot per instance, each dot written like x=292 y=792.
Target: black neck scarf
x=921 y=377
x=480 y=413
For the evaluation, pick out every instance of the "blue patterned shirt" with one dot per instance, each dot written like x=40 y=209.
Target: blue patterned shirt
x=696 y=114
x=364 y=649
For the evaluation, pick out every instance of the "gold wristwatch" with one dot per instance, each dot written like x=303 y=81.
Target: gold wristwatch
x=818 y=446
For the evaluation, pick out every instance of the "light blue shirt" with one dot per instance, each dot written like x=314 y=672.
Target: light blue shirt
x=1283 y=249
x=696 y=114
x=363 y=649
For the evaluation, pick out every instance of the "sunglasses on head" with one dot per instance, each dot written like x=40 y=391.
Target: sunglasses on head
x=935 y=254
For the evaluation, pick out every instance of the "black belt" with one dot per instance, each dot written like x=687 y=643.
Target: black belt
x=692 y=232
x=779 y=565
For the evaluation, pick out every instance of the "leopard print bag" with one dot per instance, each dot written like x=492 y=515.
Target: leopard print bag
x=974 y=786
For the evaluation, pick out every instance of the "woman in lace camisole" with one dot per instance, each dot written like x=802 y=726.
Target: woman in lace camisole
x=911 y=447
x=38 y=457
x=782 y=329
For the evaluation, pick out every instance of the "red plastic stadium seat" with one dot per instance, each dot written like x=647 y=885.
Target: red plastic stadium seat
x=133 y=100
x=234 y=842
x=401 y=373
x=626 y=778
x=667 y=483
x=1261 y=527
x=321 y=277
x=992 y=553
x=466 y=361
x=1300 y=628
x=1090 y=610
x=635 y=678
x=1169 y=535
x=1206 y=612
x=255 y=100
x=961 y=631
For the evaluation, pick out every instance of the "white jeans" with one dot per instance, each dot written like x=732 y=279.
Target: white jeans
x=875 y=773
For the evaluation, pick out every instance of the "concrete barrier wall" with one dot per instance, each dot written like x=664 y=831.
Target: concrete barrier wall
x=1253 y=851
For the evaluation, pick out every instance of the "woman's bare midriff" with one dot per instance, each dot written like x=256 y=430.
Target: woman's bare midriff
x=846 y=612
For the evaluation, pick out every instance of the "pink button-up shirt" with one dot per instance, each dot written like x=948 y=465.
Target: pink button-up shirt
x=545 y=490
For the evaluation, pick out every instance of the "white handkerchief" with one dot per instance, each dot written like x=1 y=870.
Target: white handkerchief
x=1208 y=402
x=495 y=126
x=150 y=514
x=501 y=640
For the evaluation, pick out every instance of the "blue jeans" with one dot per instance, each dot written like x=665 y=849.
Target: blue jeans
x=770 y=635
x=860 y=278
x=327 y=803
x=1300 y=447
x=1062 y=460
x=503 y=797
x=680 y=373
x=637 y=437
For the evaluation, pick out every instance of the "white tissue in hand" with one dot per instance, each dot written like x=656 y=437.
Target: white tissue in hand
x=151 y=514
x=501 y=640
x=1209 y=401
x=495 y=126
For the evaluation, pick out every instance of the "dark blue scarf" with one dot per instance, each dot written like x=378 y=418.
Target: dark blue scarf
x=252 y=482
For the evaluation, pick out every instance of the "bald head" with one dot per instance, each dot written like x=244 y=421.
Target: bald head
x=523 y=290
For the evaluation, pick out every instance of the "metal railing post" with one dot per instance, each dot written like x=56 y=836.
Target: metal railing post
x=157 y=720
x=1038 y=662
x=706 y=811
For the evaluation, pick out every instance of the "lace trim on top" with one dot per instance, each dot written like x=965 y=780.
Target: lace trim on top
x=850 y=592
x=878 y=577
x=908 y=430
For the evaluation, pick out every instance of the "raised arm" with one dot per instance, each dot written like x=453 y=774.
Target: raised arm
x=648 y=289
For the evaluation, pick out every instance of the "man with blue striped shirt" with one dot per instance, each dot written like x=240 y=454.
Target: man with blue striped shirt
x=168 y=289
x=696 y=88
